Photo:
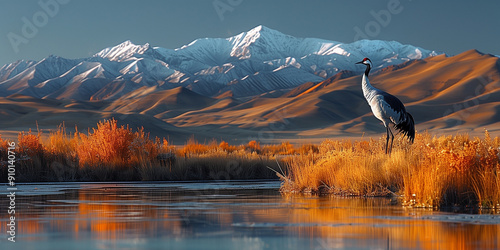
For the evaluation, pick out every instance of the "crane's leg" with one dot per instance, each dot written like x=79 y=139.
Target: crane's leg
x=392 y=138
x=387 y=140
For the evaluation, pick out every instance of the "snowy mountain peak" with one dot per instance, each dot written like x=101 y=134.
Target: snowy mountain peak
x=262 y=30
x=258 y=37
x=251 y=63
x=122 y=51
x=258 y=29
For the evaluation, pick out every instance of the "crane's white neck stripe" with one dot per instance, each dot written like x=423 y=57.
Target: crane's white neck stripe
x=368 y=90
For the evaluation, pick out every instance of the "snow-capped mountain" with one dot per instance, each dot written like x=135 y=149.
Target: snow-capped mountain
x=251 y=63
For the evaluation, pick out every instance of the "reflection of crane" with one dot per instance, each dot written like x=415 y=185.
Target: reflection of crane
x=387 y=108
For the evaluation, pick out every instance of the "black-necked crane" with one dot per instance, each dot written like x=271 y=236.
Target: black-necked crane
x=387 y=108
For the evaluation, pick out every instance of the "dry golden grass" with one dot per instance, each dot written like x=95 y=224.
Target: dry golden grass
x=433 y=172
x=29 y=144
x=111 y=152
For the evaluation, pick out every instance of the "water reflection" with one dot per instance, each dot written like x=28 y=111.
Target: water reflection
x=242 y=215
x=364 y=220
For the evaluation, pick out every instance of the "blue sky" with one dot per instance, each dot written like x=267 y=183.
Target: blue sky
x=33 y=29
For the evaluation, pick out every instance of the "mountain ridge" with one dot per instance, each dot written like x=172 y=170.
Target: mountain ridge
x=248 y=64
x=444 y=94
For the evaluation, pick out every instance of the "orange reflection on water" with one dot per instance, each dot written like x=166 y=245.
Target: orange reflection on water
x=369 y=219
x=115 y=216
x=128 y=213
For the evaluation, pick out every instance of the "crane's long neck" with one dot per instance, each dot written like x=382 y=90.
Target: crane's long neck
x=368 y=90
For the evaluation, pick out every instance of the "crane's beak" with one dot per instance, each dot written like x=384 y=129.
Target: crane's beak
x=360 y=62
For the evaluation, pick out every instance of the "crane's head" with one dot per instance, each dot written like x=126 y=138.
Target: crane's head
x=368 y=63
x=365 y=61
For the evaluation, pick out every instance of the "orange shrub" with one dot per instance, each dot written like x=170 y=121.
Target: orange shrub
x=253 y=146
x=106 y=145
x=29 y=144
x=226 y=147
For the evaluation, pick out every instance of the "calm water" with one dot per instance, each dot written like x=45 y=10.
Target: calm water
x=232 y=215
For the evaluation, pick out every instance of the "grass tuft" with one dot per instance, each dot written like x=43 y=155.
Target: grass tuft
x=433 y=172
x=111 y=152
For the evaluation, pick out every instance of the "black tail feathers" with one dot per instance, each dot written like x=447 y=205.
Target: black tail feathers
x=407 y=127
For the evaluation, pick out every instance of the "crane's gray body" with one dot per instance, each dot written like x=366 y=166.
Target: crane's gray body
x=387 y=108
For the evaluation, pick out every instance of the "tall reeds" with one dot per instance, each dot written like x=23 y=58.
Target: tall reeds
x=433 y=172
x=112 y=152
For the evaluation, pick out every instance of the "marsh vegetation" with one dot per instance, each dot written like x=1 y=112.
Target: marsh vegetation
x=435 y=171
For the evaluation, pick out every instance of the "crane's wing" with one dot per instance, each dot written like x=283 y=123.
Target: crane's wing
x=394 y=102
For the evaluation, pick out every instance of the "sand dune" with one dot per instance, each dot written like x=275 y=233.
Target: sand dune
x=441 y=93
x=444 y=94
x=21 y=113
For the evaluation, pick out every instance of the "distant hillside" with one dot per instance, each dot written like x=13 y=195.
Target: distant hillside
x=444 y=94
x=252 y=63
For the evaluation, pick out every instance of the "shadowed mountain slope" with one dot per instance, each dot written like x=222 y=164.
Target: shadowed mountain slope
x=444 y=94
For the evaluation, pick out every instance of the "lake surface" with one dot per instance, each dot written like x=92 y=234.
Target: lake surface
x=229 y=215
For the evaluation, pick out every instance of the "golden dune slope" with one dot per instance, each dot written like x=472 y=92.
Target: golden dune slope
x=452 y=94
